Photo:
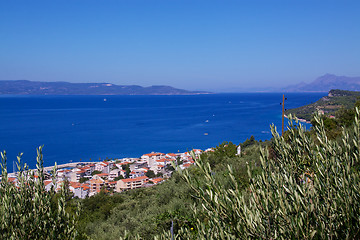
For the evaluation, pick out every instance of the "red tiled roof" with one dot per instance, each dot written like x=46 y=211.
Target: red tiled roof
x=134 y=179
x=94 y=181
x=102 y=174
x=124 y=163
x=11 y=179
x=47 y=182
x=162 y=160
x=154 y=154
x=75 y=184
x=157 y=180
x=187 y=165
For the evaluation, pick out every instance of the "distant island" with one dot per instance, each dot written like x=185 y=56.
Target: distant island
x=325 y=83
x=26 y=87
x=328 y=105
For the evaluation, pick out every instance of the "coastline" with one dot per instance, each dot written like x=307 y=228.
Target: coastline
x=300 y=119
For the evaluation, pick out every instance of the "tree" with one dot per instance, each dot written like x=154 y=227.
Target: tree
x=249 y=142
x=25 y=207
x=150 y=174
x=95 y=172
x=118 y=178
x=83 y=179
x=308 y=189
x=179 y=161
x=126 y=167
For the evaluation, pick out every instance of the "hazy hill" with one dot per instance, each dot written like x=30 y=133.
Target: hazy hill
x=25 y=87
x=326 y=83
x=335 y=100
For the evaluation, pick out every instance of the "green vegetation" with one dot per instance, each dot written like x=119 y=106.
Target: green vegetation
x=28 y=211
x=150 y=174
x=95 y=172
x=306 y=190
x=343 y=118
x=126 y=167
x=83 y=179
x=118 y=178
x=336 y=100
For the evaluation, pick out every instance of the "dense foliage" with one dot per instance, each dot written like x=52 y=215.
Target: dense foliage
x=336 y=100
x=28 y=211
x=306 y=190
x=343 y=118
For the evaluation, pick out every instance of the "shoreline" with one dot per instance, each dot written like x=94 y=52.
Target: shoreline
x=300 y=119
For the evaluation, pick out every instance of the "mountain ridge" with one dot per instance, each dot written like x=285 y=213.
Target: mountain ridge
x=27 y=87
x=325 y=83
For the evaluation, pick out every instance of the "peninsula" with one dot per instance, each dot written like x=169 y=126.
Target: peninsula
x=26 y=87
x=334 y=101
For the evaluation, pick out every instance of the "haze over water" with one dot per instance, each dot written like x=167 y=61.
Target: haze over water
x=74 y=128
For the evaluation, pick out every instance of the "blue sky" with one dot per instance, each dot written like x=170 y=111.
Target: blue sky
x=198 y=45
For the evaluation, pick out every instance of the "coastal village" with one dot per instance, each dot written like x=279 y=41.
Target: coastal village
x=86 y=179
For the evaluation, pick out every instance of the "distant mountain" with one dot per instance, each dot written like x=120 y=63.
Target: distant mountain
x=25 y=87
x=326 y=83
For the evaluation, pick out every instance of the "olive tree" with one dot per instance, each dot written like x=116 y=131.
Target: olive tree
x=27 y=210
x=308 y=188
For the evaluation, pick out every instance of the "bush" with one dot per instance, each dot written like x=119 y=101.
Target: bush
x=309 y=189
x=28 y=211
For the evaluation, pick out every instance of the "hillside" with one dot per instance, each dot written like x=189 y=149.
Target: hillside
x=25 y=87
x=335 y=100
x=326 y=83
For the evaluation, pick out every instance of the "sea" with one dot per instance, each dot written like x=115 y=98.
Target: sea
x=93 y=128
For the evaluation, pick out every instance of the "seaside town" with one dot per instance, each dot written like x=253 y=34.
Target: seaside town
x=86 y=179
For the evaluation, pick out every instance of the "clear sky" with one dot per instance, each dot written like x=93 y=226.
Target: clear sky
x=198 y=45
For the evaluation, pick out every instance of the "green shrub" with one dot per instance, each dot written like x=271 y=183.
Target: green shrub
x=308 y=189
x=28 y=211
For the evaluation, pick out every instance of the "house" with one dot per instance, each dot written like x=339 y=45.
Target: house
x=157 y=180
x=112 y=184
x=120 y=165
x=102 y=175
x=48 y=184
x=130 y=183
x=115 y=173
x=96 y=184
x=150 y=158
x=102 y=167
x=138 y=173
x=79 y=190
x=185 y=165
x=76 y=174
x=171 y=155
x=88 y=170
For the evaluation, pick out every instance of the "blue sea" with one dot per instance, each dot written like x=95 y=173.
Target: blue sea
x=83 y=128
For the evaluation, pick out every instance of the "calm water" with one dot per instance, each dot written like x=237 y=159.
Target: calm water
x=92 y=127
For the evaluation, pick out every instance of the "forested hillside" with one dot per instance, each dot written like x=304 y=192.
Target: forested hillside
x=335 y=101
